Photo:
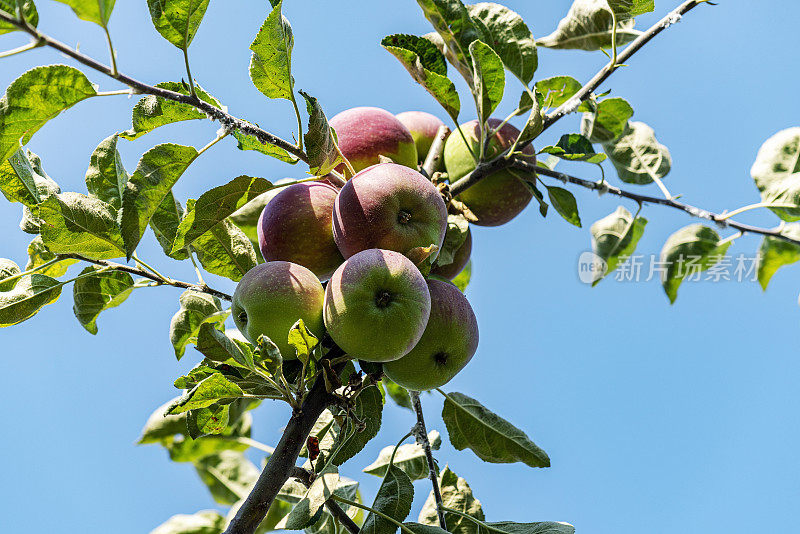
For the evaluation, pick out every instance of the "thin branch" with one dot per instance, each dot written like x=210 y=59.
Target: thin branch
x=721 y=220
x=147 y=274
x=585 y=92
x=434 y=156
x=421 y=433
x=20 y=49
x=333 y=507
x=227 y=120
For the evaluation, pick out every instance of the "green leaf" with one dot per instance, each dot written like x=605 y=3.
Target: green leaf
x=638 y=156
x=397 y=393
x=177 y=20
x=210 y=390
x=77 y=224
x=544 y=527
x=106 y=176
x=34 y=98
x=326 y=431
x=368 y=409
x=456 y=494
x=607 y=121
x=8 y=269
x=418 y=528
x=565 y=204
x=776 y=172
x=489 y=78
x=216 y=205
x=161 y=428
x=394 y=498
x=97 y=11
x=250 y=142
x=28 y=11
x=196 y=308
x=28 y=168
x=461 y=281
x=626 y=9
x=320 y=140
x=17 y=179
x=558 y=89
x=271 y=62
x=38 y=254
x=410 y=458
x=302 y=340
x=152 y=112
x=427 y=66
x=205 y=522
x=156 y=173
x=588 y=26
x=30 y=294
x=165 y=222
x=775 y=253
x=225 y=250
x=574 y=147
x=217 y=346
x=689 y=251
x=491 y=438
x=614 y=238
x=212 y=419
x=228 y=475
x=535 y=123
x=456 y=28
x=509 y=36
x=304 y=512
x=98 y=292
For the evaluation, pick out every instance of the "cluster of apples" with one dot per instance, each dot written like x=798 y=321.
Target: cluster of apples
x=376 y=304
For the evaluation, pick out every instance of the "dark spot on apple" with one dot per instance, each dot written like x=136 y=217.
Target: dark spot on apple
x=403 y=217
x=242 y=317
x=383 y=298
x=441 y=358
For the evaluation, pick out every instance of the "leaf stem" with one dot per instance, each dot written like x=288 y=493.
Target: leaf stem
x=474 y=520
x=727 y=215
x=421 y=433
x=20 y=49
x=112 y=93
x=380 y=514
x=31 y=271
x=254 y=444
x=189 y=72
x=111 y=52
x=151 y=269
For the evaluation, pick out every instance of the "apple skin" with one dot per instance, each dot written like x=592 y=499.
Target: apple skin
x=364 y=133
x=423 y=127
x=377 y=305
x=271 y=297
x=460 y=260
x=447 y=345
x=296 y=226
x=246 y=217
x=391 y=207
x=499 y=197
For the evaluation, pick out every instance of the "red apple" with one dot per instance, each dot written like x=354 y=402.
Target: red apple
x=365 y=133
x=423 y=127
x=460 y=260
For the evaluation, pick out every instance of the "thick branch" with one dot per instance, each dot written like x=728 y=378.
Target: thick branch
x=227 y=120
x=585 y=92
x=147 y=274
x=421 y=433
x=333 y=507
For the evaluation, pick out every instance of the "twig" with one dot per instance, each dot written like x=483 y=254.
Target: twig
x=147 y=274
x=227 y=120
x=434 y=156
x=333 y=507
x=421 y=433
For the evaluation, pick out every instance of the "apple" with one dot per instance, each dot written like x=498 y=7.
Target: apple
x=499 y=197
x=296 y=226
x=460 y=260
x=271 y=297
x=377 y=305
x=391 y=207
x=447 y=345
x=246 y=217
x=423 y=127
x=365 y=133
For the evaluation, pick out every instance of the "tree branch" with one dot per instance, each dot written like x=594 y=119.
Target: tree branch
x=227 y=120
x=421 y=433
x=333 y=507
x=434 y=156
x=202 y=288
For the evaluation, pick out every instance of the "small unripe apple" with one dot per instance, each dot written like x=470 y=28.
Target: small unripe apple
x=447 y=345
x=365 y=133
x=423 y=127
x=271 y=297
x=460 y=260
x=499 y=197
x=391 y=207
x=377 y=305
x=296 y=226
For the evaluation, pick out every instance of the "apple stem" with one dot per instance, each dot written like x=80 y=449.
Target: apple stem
x=421 y=434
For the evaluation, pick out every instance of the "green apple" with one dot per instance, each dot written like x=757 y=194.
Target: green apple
x=365 y=133
x=377 y=305
x=447 y=345
x=271 y=297
x=499 y=197
x=423 y=127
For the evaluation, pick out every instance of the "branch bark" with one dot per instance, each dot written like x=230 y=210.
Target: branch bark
x=226 y=119
x=421 y=433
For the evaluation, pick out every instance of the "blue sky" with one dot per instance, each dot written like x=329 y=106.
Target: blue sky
x=657 y=418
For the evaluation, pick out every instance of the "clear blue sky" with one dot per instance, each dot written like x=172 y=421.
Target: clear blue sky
x=657 y=418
